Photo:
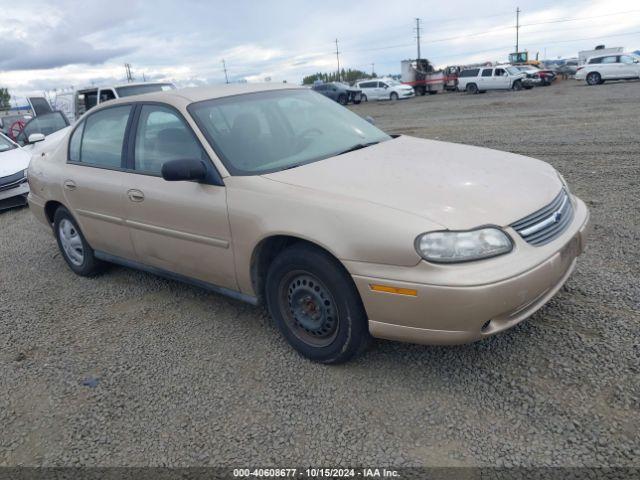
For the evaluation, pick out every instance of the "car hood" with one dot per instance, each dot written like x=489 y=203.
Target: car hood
x=456 y=186
x=12 y=161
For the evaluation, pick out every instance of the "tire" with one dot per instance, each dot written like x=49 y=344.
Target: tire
x=517 y=85
x=74 y=247
x=316 y=306
x=393 y=96
x=342 y=99
x=472 y=88
x=364 y=98
x=594 y=78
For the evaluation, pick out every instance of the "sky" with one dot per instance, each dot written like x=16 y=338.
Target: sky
x=60 y=44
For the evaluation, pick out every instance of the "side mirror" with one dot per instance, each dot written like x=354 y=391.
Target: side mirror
x=35 y=138
x=189 y=169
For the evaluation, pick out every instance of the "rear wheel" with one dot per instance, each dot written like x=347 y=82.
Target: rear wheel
x=472 y=88
x=75 y=249
x=594 y=78
x=364 y=98
x=315 y=305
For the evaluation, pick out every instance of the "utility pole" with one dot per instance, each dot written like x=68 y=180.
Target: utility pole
x=127 y=68
x=338 y=59
x=418 y=35
x=517 y=29
x=224 y=67
x=373 y=70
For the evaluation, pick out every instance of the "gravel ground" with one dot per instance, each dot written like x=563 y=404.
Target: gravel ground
x=130 y=369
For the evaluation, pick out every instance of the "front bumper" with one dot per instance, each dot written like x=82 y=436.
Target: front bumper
x=462 y=313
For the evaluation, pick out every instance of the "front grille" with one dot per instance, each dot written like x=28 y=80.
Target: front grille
x=547 y=223
x=12 y=181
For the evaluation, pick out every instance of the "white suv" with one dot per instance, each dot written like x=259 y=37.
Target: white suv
x=384 y=89
x=609 y=67
x=504 y=77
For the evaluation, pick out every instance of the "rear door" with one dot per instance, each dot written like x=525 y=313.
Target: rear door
x=629 y=69
x=610 y=67
x=485 y=80
x=95 y=179
x=181 y=227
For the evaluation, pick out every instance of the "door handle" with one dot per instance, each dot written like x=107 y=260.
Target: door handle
x=69 y=185
x=135 y=195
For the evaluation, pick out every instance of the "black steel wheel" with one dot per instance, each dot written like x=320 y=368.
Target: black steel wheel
x=316 y=305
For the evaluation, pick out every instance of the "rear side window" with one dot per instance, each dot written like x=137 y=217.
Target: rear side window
x=368 y=84
x=74 y=143
x=470 y=73
x=610 y=59
x=487 y=72
x=595 y=60
x=104 y=137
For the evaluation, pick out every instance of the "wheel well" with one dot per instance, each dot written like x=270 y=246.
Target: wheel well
x=50 y=209
x=266 y=251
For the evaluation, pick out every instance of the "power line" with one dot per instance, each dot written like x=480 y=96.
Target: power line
x=224 y=67
x=418 y=36
x=517 y=28
x=338 y=59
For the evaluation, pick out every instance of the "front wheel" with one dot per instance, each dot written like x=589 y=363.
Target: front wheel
x=517 y=85
x=342 y=99
x=594 y=78
x=393 y=96
x=74 y=247
x=364 y=98
x=315 y=305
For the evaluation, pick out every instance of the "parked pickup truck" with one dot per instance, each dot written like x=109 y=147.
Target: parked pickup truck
x=503 y=77
x=76 y=102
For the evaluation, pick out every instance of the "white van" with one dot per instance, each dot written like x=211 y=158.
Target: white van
x=75 y=103
x=384 y=89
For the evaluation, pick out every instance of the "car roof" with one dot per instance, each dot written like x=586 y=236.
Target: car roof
x=185 y=96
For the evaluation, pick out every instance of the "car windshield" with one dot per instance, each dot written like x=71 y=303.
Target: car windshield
x=392 y=83
x=269 y=131
x=129 y=90
x=513 y=70
x=5 y=144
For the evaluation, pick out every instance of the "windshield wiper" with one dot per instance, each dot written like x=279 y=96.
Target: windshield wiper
x=357 y=146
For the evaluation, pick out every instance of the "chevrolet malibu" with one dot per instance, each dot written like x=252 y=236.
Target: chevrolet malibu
x=280 y=196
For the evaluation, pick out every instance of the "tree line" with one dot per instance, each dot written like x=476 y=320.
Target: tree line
x=5 y=99
x=348 y=76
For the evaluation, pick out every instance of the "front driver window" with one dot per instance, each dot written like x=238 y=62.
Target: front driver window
x=162 y=136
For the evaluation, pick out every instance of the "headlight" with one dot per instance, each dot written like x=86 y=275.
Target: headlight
x=453 y=247
x=24 y=172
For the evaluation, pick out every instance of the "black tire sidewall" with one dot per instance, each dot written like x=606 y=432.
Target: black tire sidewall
x=393 y=96
x=90 y=265
x=342 y=99
x=353 y=331
x=472 y=88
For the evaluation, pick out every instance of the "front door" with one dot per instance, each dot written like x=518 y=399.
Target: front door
x=94 y=181
x=181 y=227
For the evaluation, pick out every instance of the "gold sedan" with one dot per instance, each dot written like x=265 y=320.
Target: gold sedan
x=280 y=196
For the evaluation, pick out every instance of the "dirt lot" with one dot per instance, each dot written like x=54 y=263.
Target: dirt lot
x=131 y=369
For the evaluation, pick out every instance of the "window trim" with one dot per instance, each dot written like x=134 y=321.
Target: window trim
x=83 y=120
x=127 y=158
x=213 y=175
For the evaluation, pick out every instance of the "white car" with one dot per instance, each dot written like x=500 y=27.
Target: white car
x=41 y=135
x=14 y=161
x=624 y=66
x=504 y=77
x=384 y=89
